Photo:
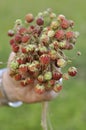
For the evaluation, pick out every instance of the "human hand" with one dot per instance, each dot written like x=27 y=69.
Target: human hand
x=16 y=92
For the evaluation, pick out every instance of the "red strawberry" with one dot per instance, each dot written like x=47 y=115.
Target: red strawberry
x=23 y=83
x=64 y=23
x=60 y=35
x=57 y=87
x=10 y=33
x=57 y=75
x=69 y=35
x=29 y=18
x=17 y=77
x=15 y=48
x=72 y=71
x=23 y=68
x=44 y=59
x=51 y=82
x=12 y=41
x=22 y=30
x=18 y=38
x=40 y=21
x=25 y=38
x=40 y=89
x=21 y=60
x=30 y=81
x=24 y=50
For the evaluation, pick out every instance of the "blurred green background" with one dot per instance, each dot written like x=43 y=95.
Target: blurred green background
x=68 y=111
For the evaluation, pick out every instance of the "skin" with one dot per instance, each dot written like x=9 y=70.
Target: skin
x=27 y=94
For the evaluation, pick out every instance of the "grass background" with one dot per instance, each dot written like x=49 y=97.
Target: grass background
x=68 y=111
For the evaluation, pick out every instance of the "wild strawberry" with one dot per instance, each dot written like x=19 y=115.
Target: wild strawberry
x=18 y=38
x=15 y=48
x=69 y=46
x=69 y=35
x=44 y=59
x=23 y=83
x=24 y=50
x=62 y=45
x=61 y=62
x=51 y=33
x=53 y=54
x=22 y=31
x=14 y=65
x=56 y=44
x=10 y=33
x=57 y=87
x=40 y=21
x=72 y=71
x=61 y=17
x=51 y=82
x=48 y=75
x=71 y=23
x=54 y=24
x=59 y=35
x=12 y=41
x=21 y=60
x=29 y=80
x=65 y=76
x=65 y=24
x=40 y=78
x=39 y=88
x=29 y=18
x=18 y=77
x=57 y=75
x=23 y=68
x=52 y=15
x=25 y=38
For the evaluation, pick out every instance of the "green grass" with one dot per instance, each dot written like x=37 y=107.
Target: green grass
x=68 y=111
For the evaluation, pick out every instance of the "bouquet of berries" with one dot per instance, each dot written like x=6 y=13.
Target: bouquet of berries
x=39 y=45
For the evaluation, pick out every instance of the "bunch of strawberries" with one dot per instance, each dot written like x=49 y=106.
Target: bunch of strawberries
x=39 y=45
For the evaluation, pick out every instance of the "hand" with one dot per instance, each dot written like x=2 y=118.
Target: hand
x=25 y=94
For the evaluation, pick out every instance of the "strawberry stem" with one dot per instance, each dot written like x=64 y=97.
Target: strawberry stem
x=44 y=116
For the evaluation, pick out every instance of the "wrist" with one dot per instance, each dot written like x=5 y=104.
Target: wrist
x=8 y=89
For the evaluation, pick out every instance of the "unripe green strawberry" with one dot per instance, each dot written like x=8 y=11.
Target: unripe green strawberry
x=57 y=87
x=41 y=78
x=51 y=33
x=14 y=65
x=53 y=54
x=65 y=76
x=54 y=24
x=61 y=62
x=62 y=45
x=48 y=76
x=39 y=88
x=52 y=15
